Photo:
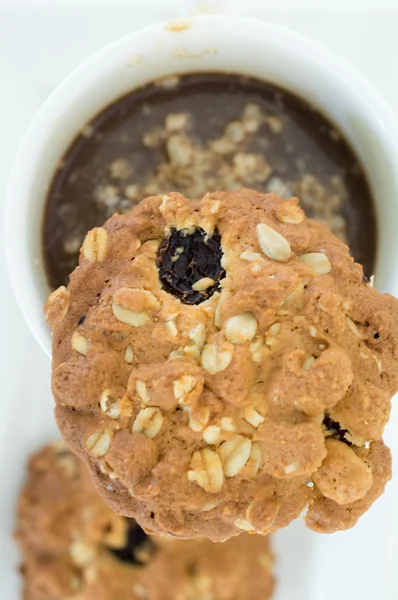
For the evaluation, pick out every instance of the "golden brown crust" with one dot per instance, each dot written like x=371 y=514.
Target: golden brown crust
x=186 y=414
x=66 y=534
x=325 y=516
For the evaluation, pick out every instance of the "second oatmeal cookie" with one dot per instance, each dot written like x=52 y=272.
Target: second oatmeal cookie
x=75 y=547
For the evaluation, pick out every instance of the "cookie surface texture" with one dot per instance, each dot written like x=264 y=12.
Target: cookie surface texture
x=222 y=365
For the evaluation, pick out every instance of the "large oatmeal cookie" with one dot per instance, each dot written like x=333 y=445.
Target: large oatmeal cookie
x=75 y=547
x=222 y=365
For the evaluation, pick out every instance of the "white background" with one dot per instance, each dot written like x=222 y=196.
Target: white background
x=39 y=45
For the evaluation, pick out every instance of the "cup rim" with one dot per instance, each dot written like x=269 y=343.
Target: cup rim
x=23 y=280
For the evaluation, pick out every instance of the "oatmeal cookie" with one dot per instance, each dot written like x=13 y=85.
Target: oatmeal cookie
x=222 y=365
x=75 y=547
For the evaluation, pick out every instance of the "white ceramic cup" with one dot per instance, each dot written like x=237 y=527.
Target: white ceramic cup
x=200 y=44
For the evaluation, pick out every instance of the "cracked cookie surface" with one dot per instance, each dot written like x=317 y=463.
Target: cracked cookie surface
x=229 y=414
x=74 y=546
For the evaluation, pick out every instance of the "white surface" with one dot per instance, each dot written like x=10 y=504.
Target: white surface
x=210 y=5
x=38 y=47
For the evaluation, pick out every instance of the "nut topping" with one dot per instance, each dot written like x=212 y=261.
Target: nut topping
x=235 y=454
x=317 y=261
x=57 y=306
x=95 y=245
x=273 y=244
x=98 y=443
x=215 y=358
x=149 y=421
x=79 y=343
x=241 y=328
x=206 y=470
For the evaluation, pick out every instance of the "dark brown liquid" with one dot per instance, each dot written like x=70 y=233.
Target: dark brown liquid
x=301 y=150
